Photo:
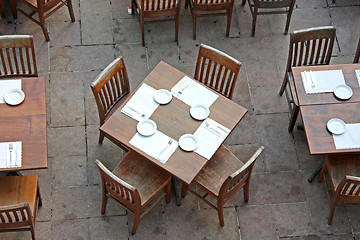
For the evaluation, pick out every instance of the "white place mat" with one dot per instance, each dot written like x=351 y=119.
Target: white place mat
x=142 y=103
x=193 y=93
x=350 y=138
x=15 y=156
x=322 y=81
x=357 y=72
x=157 y=145
x=7 y=85
x=210 y=136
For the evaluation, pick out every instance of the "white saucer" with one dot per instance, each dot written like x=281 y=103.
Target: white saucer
x=162 y=96
x=188 y=142
x=336 y=126
x=146 y=127
x=199 y=111
x=14 y=97
x=343 y=92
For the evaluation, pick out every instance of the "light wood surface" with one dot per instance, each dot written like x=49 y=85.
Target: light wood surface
x=174 y=120
x=27 y=123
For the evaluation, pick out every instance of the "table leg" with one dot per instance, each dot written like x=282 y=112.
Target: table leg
x=317 y=170
x=13 y=173
x=7 y=9
x=177 y=196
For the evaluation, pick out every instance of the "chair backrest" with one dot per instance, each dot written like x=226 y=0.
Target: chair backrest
x=15 y=216
x=212 y=3
x=311 y=46
x=240 y=177
x=17 y=56
x=217 y=70
x=110 y=86
x=158 y=5
x=357 y=53
x=349 y=189
x=119 y=189
x=273 y=3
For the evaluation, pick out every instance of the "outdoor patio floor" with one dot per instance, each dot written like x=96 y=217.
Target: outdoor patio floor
x=282 y=205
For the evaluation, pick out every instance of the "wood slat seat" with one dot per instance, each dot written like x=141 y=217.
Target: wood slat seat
x=134 y=183
x=341 y=173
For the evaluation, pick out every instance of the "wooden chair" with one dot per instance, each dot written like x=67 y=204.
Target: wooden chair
x=217 y=70
x=110 y=89
x=44 y=9
x=133 y=184
x=222 y=177
x=152 y=11
x=271 y=7
x=17 y=56
x=206 y=8
x=357 y=53
x=20 y=198
x=311 y=46
x=342 y=180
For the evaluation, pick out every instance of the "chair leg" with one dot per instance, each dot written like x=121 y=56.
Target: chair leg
x=246 y=191
x=186 y=3
x=220 y=211
x=332 y=210
x=184 y=188
x=142 y=30
x=229 y=14
x=293 y=117
x=2 y=9
x=254 y=23
x=168 y=192
x=283 y=85
x=136 y=222
x=243 y=2
x=177 y=21
x=43 y=24
x=104 y=202
x=13 y=6
x=71 y=11
x=101 y=137
x=32 y=230
x=322 y=173
x=194 y=24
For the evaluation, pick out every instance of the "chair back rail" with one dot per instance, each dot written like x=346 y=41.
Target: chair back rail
x=15 y=216
x=17 y=56
x=273 y=3
x=212 y=2
x=349 y=189
x=157 y=5
x=217 y=70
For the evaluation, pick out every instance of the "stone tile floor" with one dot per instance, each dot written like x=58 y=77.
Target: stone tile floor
x=283 y=204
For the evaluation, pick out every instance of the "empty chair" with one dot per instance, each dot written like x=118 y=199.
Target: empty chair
x=342 y=180
x=204 y=8
x=133 y=184
x=110 y=89
x=44 y=9
x=217 y=70
x=152 y=11
x=221 y=178
x=270 y=7
x=17 y=56
x=20 y=198
x=357 y=53
x=311 y=46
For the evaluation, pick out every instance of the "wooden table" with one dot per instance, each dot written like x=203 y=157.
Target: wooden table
x=173 y=120
x=27 y=123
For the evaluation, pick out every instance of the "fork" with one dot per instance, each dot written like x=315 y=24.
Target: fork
x=11 y=148
x=168 y=145
x=140 y=114
x=181 y=91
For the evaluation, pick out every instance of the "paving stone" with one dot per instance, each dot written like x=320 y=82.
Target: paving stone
x=119 y=9
x=267 y=100
x=245 y=132
x=353 y=213
x=65 y=33
x=8 y=29
x=127 y=31
x=306 y=161
x=263 y=73
x=322 y=237
x=311 y=4
x=242 y=94
x=69 y=171
x=159 y=51
x=70 y=229
x=62 y=15
x=108 y=228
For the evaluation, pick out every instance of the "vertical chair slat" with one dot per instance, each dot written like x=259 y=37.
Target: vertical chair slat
x=15 y=60
x=28 y=60
x=23 y=69
x=9 y=61
x=318 y=53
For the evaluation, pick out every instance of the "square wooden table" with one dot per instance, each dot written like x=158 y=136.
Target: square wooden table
x=174 y=120
x=27 y=123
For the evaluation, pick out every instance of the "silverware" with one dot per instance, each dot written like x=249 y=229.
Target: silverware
x=208 y=126
x=181 y=91
x=168 y=145
x=140 y=114
x=311 y=79
x=11 y=148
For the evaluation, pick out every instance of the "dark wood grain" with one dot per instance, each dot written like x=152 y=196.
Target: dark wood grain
x=174 y=120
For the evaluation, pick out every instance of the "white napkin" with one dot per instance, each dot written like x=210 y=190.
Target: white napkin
x=156 y=145
x=350 y=138
x=210 y=136
x=193 y=93
x=322 y=81
x=7 y=85
x=142 y=102
x=357 y=72
x=15 y=155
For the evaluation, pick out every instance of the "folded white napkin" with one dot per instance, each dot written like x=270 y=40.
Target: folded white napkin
x=322 y=81
x=156 y=145
x=7 y=85
x=350 y=138
x=192 y=93
x=357 y=72
x=142 y=103
x=210 y=136
x=15 y=155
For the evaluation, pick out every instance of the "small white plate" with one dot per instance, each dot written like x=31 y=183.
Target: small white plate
x=336 y=126
x=146 y=127
x=343 y=92
x=188 y=142
x=199 y=111
x=162 y=96
x=14 y=97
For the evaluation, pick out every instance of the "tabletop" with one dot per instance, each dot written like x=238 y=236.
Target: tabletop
x=325 y=98
x=315 y=117
x=174 y=120
x=26 y=122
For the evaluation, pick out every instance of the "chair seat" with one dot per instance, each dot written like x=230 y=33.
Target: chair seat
x=19 y=189
x=342 y=165
x=217 y=170
x=137 y=171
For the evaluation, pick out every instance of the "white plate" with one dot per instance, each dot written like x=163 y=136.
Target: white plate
x=343 y=92
x=14 y=97
x=199 y=111
x=188 y=142
x=336 y=126
x=162 y=96
x=146 y=127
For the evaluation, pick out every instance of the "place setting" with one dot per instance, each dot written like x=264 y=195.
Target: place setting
x=346 y=136
x=10 y=156
x=11 y=92
x=324 y=82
